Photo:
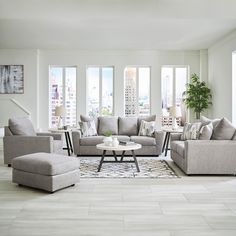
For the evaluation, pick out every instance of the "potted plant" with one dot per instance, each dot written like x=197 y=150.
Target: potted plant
x=197 y=95
x=108 y=139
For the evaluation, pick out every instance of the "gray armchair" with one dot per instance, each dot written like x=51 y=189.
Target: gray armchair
x=21 y=139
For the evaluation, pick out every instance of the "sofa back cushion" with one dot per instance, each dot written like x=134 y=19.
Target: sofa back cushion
x=146 y=118
x=21 y=126
x=128 y=126
x=107 y=124
x=84 y=118
x=224 y=130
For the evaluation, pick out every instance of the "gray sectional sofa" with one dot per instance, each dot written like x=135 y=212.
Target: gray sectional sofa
x=124 y=128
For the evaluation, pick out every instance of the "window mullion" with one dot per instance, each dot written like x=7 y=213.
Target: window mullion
x=100 y=90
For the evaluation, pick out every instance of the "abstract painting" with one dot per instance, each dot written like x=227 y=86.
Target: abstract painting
x=11 y=79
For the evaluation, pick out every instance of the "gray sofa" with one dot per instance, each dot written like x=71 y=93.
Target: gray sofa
x=21 y=139
x=124 y=128
x=196 y=157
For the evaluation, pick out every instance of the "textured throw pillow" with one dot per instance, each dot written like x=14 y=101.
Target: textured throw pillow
x=224 y=130
x=206 y=131
x=21 y=126
x=87 y=118
x=191 y=131
x=88 y=128
x=146 y=118
x=146 y=128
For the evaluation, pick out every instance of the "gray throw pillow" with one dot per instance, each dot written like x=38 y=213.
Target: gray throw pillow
x=88 y=128
x=206 y=131
x=191 y=131
x=21 y=126
x=146 y=128
x=205 y=121
x=224 y=130
x=107 y=124
x=128 y=126
x=84 y=118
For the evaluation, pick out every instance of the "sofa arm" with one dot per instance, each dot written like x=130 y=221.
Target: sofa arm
x=21 y=145
x=159 y=136
x=56 y=136
x=76 y=136
x=210 y=156
x=175 y=137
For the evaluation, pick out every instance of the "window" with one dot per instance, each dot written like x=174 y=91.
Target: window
x=100 y=91
x=137 y=91
x=173 y=80
x=62 y=91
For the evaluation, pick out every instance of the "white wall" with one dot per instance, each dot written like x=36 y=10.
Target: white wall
x=28 y=100
x=220 y=75
x=37 y=64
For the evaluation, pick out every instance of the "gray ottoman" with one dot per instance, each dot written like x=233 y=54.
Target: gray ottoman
x=45 y=171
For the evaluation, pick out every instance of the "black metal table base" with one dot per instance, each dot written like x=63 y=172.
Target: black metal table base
x=118 y=161
x=68 y=147
x=166 y=143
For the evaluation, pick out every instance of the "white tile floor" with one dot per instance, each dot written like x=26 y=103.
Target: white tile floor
x=189 y=206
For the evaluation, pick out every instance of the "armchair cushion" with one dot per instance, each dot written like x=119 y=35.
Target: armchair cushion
x=21 y=126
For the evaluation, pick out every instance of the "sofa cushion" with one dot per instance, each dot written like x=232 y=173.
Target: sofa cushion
x=224 y=130
x=108 y=124
x=94 y=140
x=21 y=126
x=146 y=118
x=178 y=146
x=45 y=163
x=84 y=118
x=206 y=131
x=144 y=140
x=146 y=128
x=128 y=126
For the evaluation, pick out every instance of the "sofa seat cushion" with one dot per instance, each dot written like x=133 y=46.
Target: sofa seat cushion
x=128 y=126
x=178 y=146
x=94 y=140
x=108 y=124
x=143 y=140
x=45 y=164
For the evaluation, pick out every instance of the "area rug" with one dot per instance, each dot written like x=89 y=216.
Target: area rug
x=148 y=169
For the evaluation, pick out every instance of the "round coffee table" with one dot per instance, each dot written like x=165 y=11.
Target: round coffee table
x=119 y=148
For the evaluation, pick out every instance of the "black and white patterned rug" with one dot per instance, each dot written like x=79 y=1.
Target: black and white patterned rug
x=148 y=169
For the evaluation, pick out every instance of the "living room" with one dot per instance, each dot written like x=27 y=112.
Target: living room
x=145 y=39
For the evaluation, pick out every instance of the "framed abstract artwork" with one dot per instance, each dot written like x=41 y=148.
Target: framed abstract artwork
x=11 y=79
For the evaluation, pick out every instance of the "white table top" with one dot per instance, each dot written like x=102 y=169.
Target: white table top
x=135 y=146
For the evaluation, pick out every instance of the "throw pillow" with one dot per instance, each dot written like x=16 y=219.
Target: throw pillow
x=206 y=121
x=88 y=128
x=21 y=126
x=191 y=131
x=84 y=118
x=146 y=118
x=146 y=128
x=206 y=131
x=224 y=130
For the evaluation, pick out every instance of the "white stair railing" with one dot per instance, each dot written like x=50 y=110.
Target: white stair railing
x=20 y=106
